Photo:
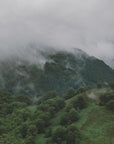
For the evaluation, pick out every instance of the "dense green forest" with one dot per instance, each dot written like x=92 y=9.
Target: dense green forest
x=83 y=116
x=61 y=71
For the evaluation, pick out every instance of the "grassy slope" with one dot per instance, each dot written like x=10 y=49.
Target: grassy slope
x=96 y=124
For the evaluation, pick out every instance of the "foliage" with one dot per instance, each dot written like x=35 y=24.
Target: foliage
x=59 y=135
x=79 y=102
x=69 y=117
x=111 y=84
x=106 y=97
x=69 y=94
x=73 y=135
x=56 y=120
x=63 y=70
x=110 y=105
x=82 y=90
x=52 y=105
x=46 y=96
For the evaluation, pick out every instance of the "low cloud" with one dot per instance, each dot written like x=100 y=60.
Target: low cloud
x=62 y=24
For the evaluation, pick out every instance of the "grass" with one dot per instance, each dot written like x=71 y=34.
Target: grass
x=84 y=115
x=96 y=124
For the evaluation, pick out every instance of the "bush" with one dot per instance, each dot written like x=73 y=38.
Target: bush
x=64 y=119
x=40 y=124
x=69 y=117
x=68 y=107
x=105 y=98
x=59 y=135
x=82 y=89
x=73 y=115
x=32 y=130
x=25 y=99
x=29 y=140
x=56 y=104
x=46 y=96
x=111 y=84
x=79 y=103
x=69 y=94
x=48 y=132
x=110 y=105
x=73 y=135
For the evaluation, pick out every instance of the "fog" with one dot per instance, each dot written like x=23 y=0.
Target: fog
x=58 y=24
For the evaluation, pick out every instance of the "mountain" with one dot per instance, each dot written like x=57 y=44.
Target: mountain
x=111 y=62
x=60 y=71
x=84 y=116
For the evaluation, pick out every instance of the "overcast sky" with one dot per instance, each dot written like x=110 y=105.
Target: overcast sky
x=84 y=24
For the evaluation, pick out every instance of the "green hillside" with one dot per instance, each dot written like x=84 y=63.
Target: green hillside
x=83 y=116
x=61 y=71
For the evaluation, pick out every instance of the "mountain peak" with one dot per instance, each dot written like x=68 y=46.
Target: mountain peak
x=61 y=70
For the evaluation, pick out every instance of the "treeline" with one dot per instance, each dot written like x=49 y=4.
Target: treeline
x=107 y=100
x=15 y=120
x=19 y=124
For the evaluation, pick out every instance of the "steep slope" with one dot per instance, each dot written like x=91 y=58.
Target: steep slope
x=61 y=71
x=57 y=120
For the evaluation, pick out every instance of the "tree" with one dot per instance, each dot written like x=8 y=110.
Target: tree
x=9 y=138
x=111 y=84
x=45 y=116
x=46 y=96
x=30 y=140
x=48 y=132
x=69 y=117
x=73 y=115
x=82 y=90
x=69 y=94
x=72 y=134
x=23 y=130
x=24 y=114
x=64 y=119
x=25 y=99
x=110 y=105
x=79 y=103
x=59 y=135
x=40 y=124
x=106 y=97
x=32 y=130
x=68 y=107
x=59 y=103
x=2 y=129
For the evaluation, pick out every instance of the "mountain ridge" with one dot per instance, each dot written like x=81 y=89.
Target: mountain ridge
x=61 y=70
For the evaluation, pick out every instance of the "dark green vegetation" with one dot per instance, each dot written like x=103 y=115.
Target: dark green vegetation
x=61 y=71
x=77 y=117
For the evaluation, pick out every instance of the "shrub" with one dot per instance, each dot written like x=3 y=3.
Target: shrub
x=111 y=84
x=110 y=105
x=69 y=94
x=40 y=124
x=82 y=89
x=46 y=96
x=79 y=103
x=105 y=98
x=59 y=135
x=73 y=135
x=69 y=117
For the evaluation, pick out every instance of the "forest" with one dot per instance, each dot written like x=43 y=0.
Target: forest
x=82 y=116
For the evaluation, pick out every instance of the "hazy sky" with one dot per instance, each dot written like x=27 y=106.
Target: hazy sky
x=84 y=24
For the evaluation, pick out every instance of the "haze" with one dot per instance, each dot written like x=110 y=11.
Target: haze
x=61 y=24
